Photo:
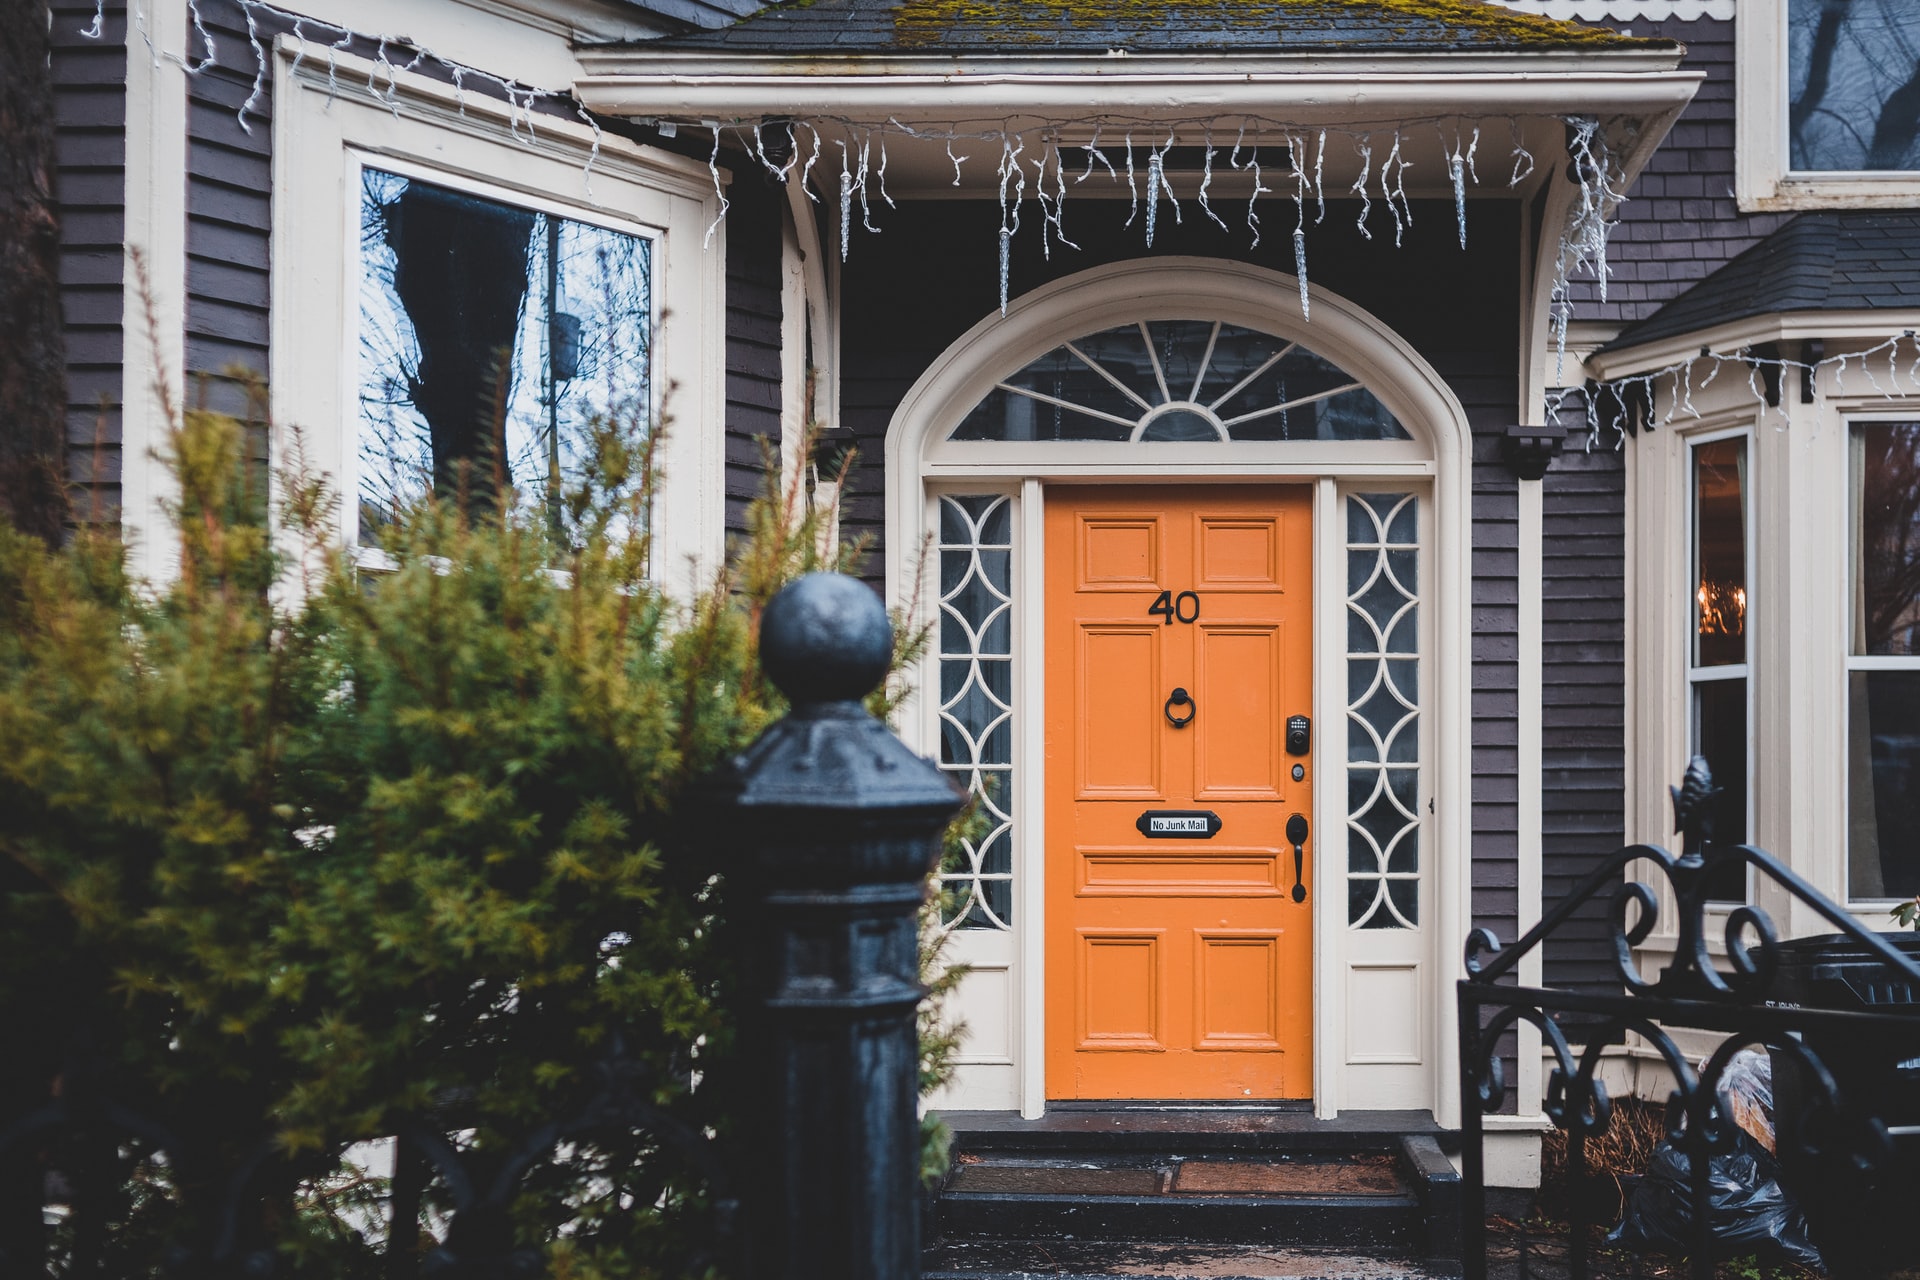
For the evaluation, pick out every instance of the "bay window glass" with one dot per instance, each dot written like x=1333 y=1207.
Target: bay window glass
x=1853 y=85
x=1883 y=676
x=492 y=338
x=1717 y=665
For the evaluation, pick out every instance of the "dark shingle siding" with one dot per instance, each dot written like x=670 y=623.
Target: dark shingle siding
x=1583 y=721
x=753 y=336
x=1681 y=219
x=229 y=212
x=90 y=180
x=1841 y=261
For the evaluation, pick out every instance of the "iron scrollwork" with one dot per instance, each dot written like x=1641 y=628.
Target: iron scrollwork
x=1830 y=1136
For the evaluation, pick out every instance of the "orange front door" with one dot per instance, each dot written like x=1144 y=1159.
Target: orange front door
x=1179 y=963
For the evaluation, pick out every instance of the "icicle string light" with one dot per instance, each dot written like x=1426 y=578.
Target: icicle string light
x=1365 y=147
x=1582 y=249
x=1259 y=189
x=846 y=200
x=1661 y=397
x=719 y=188
x=1294 y=148
x=1206 y=180
x=382 y=78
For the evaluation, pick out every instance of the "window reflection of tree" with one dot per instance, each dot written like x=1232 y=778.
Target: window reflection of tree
x=491 y=338
x=1855 y=77
x=1890 y=538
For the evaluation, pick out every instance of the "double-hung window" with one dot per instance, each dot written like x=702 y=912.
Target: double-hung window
x=1829 y=102
x=1883 y=662
x=490 y=286
x=1718 y=651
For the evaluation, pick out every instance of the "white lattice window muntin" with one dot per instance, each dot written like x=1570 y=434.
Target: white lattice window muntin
x=976 y=700
x=1383 y=711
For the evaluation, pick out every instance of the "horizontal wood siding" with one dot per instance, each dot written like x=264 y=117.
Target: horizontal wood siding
x=1680 y=221
x=90 y=182
x=229 y=217
x=753 y=338
x=1583 y=722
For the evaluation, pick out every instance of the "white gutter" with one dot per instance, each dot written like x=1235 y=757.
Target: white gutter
x=1344 y=97
x=1728 y=338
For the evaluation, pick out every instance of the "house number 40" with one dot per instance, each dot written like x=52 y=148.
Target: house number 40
x=1184 y=607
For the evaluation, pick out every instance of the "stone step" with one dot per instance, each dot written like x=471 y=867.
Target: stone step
x=1175 y=1127
x=1223 y=1176
x=1349 y=1199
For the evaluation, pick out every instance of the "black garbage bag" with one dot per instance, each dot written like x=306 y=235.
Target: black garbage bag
x=1748 y=1210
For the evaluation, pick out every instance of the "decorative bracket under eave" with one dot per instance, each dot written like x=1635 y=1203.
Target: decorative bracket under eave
x=1529 y=451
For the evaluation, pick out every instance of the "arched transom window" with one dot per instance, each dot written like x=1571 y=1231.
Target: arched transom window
x=1180 y=380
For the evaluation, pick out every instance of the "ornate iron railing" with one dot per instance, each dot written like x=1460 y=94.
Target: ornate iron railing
x=1835 y=1144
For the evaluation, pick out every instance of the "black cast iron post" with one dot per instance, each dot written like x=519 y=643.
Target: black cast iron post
x=834 y=827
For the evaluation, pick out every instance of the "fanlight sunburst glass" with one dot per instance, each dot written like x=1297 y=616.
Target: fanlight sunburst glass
x=1180 y=380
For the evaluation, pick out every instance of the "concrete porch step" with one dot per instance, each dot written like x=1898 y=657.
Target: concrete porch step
x=1319 y=1199
x=1269 y=1179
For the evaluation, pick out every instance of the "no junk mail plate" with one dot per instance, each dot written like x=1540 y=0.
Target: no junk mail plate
x=1178 y=824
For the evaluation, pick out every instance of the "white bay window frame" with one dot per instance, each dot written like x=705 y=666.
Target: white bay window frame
x=327 y=129
x=1697 y=674
x=1799 y=514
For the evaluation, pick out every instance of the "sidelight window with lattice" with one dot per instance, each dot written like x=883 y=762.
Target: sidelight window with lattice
x=976 y=701
x=1383 y=711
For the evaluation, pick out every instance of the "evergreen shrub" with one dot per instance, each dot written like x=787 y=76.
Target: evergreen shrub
x=291 y=851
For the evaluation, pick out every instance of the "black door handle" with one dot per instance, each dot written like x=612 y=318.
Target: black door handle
x=1297 y=836
x=1180 y=698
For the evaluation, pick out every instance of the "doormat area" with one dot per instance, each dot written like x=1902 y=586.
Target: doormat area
x=1058 y=1180
x=1354 y=1176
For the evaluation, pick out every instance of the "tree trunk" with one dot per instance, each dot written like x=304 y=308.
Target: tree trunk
x=33 y=383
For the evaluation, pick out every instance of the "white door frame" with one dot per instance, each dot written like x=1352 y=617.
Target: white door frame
x=921 y=463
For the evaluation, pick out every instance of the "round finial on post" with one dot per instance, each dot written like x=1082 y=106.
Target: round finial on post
x=825 y=638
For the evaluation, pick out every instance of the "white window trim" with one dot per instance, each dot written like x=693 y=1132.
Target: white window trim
x=1763 y=180
x=1436 y=464
x=1696 y=675
x=323 y=135
x=1851 y=662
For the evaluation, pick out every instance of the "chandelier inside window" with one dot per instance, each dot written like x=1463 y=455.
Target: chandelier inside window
x=1180 y=380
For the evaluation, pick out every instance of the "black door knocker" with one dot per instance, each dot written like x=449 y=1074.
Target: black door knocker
x=1297 y=836
x=1179 y=698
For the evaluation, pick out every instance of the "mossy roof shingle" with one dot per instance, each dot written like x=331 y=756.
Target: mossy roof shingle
x=853 y=27
x=1842 y=261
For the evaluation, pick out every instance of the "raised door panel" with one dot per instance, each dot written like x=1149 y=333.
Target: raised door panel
x=1237 y=741
x=1237 y=553
x=1120 y=990
x=1119 y=553
x=1115 y=679
x=1236 y=996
